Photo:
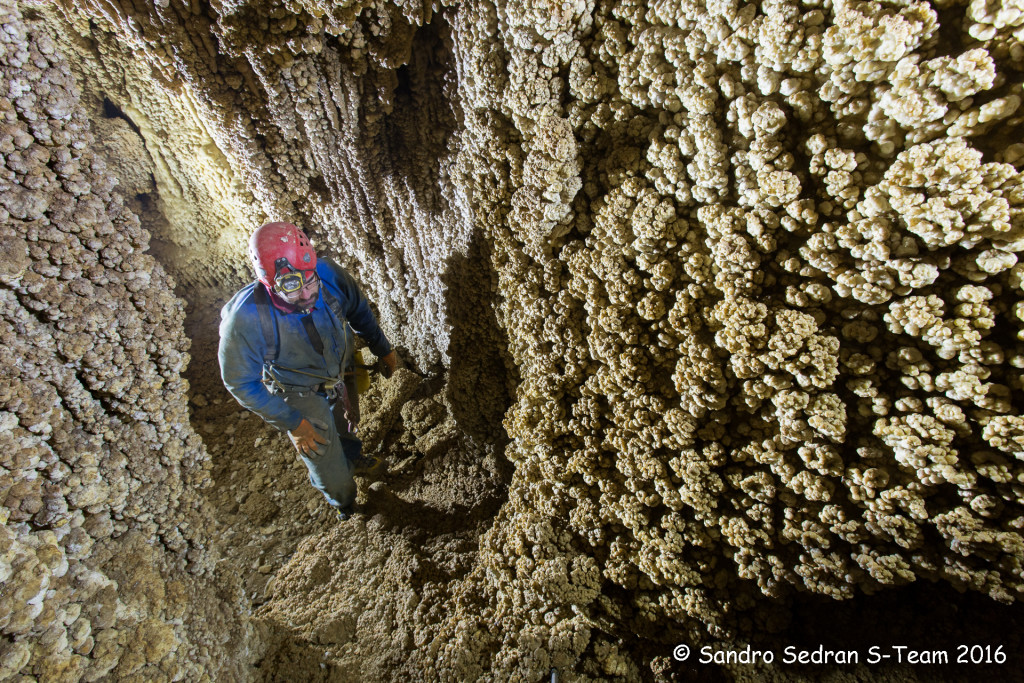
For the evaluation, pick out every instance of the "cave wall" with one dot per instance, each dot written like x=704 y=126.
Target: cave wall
x=105 y=551
x=769 y=338
x=338 y=123
x=344 y=122
x=747 y=274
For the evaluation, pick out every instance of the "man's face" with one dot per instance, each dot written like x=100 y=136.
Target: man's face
x=305 y=295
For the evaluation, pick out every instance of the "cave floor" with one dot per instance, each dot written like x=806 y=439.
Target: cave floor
x=337 y=600
x=359 y=600
x=362 y=600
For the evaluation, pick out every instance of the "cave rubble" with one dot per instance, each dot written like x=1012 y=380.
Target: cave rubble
x=710 y=314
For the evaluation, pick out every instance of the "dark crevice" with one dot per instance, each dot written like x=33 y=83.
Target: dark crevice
x=404 y=87
x=481 y=370
x=112 y=111
x=318 y=186
x=950 y=39
x=415 y=134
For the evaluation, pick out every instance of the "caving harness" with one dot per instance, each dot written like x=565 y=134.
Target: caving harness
x=329 y=385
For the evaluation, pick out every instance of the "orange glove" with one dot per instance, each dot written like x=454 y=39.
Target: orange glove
x=305 y=438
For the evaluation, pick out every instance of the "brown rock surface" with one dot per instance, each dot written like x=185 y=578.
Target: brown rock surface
x=108 y=561
x=711 y=314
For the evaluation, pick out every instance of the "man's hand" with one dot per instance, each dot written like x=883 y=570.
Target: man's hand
x=305 y=438
x=390 y=362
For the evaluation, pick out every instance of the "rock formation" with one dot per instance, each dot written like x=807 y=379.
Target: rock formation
x=734 y=288
x=106 y=542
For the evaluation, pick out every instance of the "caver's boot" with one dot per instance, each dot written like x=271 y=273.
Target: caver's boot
x=365 y=465
x=361 y=463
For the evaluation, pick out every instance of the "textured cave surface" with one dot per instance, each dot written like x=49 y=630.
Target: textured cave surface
x=711 y=317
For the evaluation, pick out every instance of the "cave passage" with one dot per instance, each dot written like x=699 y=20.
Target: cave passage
x=710 y=318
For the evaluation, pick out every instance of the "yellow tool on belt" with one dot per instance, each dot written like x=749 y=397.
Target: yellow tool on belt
x=362 y=373
x=361 y=370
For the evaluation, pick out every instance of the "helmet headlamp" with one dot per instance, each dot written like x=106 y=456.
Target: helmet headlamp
x=289 y=280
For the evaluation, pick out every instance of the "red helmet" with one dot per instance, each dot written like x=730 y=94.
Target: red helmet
x=277 y=246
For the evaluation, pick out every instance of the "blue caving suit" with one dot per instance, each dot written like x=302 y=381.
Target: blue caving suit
x=296 y=395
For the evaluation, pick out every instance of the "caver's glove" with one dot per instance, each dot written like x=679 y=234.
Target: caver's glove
x=388 y=364
x=305 y=438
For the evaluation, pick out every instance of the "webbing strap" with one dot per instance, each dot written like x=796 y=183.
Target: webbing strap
x=334 y=305
x=266 y=322
x=269 y=328
x=314 y=336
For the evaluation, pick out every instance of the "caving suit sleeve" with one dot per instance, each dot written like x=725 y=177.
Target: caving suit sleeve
x=357 y=311
x=241 y=367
